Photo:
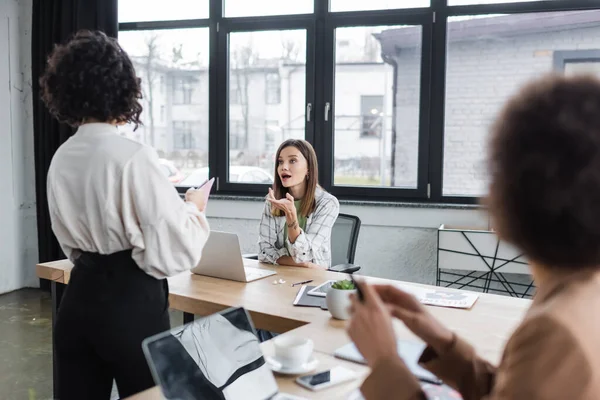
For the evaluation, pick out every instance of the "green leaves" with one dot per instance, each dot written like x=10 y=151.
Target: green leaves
x=343 y=285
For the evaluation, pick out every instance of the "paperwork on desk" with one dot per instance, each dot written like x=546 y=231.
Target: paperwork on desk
x=441 y=297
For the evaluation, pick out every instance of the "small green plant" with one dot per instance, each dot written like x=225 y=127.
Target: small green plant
x=343 y=285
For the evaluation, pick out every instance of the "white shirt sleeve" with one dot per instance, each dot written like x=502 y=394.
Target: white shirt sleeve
x=167 y=234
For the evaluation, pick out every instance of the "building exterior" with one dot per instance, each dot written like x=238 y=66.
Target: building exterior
x=376 y=107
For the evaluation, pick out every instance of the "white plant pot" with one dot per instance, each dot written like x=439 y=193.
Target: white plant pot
x=338 y=303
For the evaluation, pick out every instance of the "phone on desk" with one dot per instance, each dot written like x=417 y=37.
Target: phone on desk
x=325 y=379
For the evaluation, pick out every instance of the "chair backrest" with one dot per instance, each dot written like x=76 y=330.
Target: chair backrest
x=344 y=237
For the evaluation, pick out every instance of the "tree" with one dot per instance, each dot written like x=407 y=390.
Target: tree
x=243 y=58
x=150 y=65
x=290 y=50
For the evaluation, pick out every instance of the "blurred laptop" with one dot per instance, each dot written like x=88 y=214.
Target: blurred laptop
x=215 y=357
x=222 y=258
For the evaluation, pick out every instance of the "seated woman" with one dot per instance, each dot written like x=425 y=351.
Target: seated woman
x=295 y=228
x=545 y=199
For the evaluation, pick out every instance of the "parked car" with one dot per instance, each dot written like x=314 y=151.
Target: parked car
x=237 y=173
x=170 y=171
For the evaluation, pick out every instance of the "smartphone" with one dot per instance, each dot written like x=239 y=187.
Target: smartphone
x=359 y=292
x=325 y=379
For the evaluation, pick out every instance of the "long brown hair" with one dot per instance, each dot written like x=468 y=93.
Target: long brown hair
x=308 y=204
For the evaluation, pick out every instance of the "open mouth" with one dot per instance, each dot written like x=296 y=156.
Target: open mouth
x=285 y=177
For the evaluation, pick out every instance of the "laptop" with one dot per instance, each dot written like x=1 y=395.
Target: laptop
x=222 y=258
x=215 y=357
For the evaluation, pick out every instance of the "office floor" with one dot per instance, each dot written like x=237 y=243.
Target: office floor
x=26 y=345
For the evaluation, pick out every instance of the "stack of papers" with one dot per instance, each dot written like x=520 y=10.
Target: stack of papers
x=441 y=297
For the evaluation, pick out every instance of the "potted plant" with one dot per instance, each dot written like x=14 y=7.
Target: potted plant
x=338 y=298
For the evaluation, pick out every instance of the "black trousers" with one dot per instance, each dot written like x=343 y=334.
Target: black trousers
x=108 y=308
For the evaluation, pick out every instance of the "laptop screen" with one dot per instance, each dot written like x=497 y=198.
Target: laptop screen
x=216 y=357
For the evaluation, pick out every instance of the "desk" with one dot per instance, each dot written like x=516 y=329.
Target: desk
x=487 y=325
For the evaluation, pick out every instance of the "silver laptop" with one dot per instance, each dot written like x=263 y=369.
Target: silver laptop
x=222 y=258
x=215 y=357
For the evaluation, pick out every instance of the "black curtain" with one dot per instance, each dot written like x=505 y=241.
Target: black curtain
x=54 y=21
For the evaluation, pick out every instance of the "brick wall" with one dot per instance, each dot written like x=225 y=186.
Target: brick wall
x=481 y=75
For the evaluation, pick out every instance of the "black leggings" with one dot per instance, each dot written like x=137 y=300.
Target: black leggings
x=108 y=308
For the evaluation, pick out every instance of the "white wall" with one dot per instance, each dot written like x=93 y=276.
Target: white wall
x=394 y=242
x=18 y=233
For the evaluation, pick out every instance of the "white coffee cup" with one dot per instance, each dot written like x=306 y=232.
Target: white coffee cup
x=292 y=351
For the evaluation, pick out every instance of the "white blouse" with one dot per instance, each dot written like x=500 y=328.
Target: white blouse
x=107 y=193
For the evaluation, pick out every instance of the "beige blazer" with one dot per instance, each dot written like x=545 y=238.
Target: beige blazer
x=553 y=354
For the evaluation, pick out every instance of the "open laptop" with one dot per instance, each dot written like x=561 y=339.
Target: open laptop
x=215 y=357
x=222 y=258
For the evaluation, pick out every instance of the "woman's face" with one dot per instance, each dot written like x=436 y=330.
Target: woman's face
x=292 y=167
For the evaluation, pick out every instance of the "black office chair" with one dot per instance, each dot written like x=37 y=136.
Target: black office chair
x=344 y=237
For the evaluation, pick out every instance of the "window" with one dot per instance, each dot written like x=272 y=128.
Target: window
x=376 y=106
x=465 y=2
x=489 y=57
x=160 y=10
x=173 y=66
x=183 y=88
x=353 y=5
x=371 y=116
x=245 y=8
x=184 y=135
x=393 y=112
x=273 y=88
x=577 y=61
x=257 y=60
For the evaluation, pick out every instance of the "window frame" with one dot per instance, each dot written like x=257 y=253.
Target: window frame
x=320 y=68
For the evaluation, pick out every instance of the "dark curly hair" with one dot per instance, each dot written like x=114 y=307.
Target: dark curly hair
x=91 y=77
x=545 y=171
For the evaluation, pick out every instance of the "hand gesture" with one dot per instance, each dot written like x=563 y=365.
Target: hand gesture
x=285 y=204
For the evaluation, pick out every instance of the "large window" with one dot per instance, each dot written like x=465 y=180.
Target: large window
x=173 y=67
x=257 y=60
x=489 y=58
x=396 y=96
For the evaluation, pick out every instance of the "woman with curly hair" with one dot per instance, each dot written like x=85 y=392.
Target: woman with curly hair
x=544 y=165
x=116 y=217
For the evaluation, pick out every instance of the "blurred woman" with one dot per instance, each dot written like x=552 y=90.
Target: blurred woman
x=545 y=199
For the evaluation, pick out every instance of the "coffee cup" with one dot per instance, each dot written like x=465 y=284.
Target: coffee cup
x=292 y=351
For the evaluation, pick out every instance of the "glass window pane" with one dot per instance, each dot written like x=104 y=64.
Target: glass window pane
x=246 y=8
x=361 y=5
x=489 y=58
x=267 y=97
x=376 y=106
x=173 y=66
x=161 y=10
x=465 y=2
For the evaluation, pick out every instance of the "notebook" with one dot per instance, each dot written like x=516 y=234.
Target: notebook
x=303 y=299
x=410 y=352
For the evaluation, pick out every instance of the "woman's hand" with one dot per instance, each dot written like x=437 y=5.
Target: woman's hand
x=409 y=310
x=196 y=196
x=286 y=205
x=371 y=327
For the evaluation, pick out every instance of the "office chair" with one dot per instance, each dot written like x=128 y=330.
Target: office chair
x=344 y=237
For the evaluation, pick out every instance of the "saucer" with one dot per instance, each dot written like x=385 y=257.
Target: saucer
x=276 y=366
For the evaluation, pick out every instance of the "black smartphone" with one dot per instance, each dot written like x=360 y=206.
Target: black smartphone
x=359 y=292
